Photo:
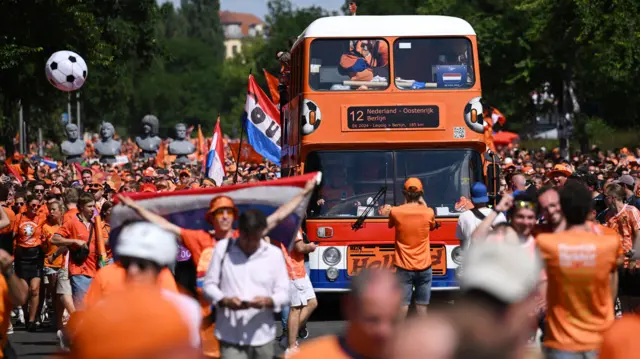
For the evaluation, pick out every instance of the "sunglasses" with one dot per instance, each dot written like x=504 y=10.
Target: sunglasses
x=34 y=205
x=222 y=212
x=20 y=203
x=143 y=264
x=95 y=186
x=524 y=204
x=38 y=191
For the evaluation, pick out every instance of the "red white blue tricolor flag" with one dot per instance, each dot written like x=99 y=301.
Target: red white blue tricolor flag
x=214 y=167
x=187 y=208
x=261 y=120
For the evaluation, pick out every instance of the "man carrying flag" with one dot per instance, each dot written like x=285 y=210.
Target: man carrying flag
x=214 y=167
x=261 y=120
x=221 y=214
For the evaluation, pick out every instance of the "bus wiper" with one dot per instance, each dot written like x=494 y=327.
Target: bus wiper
x=360 y=221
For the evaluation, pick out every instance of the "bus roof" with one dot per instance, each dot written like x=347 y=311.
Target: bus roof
x=395 y=25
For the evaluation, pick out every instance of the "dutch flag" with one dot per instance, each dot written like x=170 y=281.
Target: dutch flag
x=49 y=162
x=261 y=120
x=187 y=208
x=214 y=168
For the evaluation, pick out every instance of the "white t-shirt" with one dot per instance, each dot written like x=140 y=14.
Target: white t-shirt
x=191 y=312
x=468 y=222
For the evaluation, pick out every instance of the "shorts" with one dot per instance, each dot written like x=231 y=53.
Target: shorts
x=50 y=270
x=416 y=282
x=301 y=291
x=63 y=287
x=79 y=287
x=550 y=353
x=29 y=262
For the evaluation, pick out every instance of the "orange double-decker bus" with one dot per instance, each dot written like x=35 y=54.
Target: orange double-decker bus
x=372 y=101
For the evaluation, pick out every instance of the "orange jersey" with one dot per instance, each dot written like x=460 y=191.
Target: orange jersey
x=46 y=233
x=621 y=340
x=69 y=215
x=5 y=312
x=113 y=279
x=579 y=265
x=293 y=259
x=625 y=223
x=26 y=230
x=413 y=224
x=75 y=229
x=12 y=219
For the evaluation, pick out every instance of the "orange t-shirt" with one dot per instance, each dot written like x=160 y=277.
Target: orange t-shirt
x=5 y=312
x=47 y=231
x=579 y=303
x=75 y=229
x=621 y=340
x=69 y=215
x=413 y=223
x=321 y=348
x=293 y=259
x=625 y=223
x=12 y=218
x=26 y=230
x=112 y=279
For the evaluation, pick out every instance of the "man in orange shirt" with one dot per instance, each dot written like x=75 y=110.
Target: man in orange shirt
x=76 y=234
x=413 y=221
x=371 y=310
x=621 y=340
x=582 y=275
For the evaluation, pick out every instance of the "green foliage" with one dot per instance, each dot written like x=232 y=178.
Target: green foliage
x=145 y=58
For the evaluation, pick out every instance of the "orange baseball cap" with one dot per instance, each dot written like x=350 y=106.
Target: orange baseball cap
x=146 y=325
x=413 y=185
x=148 y=187
x=220 y=202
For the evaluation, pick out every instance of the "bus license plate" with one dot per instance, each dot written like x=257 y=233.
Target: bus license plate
x=381 y=256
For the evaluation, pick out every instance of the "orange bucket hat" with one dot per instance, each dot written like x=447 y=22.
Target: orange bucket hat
x=220 y=202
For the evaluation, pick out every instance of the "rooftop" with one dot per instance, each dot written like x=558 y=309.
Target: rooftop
x=245 y=20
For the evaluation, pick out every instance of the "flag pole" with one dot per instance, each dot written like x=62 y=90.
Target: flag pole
x=235 y=176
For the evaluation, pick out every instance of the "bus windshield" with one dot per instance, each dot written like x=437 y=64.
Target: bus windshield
x=435 y=63
x=352 y=179
x=346 y=65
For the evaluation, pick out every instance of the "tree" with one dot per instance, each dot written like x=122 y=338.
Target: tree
x=203 y=21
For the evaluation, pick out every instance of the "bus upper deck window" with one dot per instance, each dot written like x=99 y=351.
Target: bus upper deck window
x=433 y=63
x=349 y=65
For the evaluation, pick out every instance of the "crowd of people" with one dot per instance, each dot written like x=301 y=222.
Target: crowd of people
x=554 y=253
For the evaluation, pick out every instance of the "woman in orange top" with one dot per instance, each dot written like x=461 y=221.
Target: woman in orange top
x=52 y=263
x=105 y=213
x=29 y=258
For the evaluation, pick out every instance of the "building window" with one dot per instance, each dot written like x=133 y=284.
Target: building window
x=234 y=50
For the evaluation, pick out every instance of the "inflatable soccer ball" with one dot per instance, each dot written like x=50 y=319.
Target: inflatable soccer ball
x=311 y=117
x=477 y=123
x=66 y=71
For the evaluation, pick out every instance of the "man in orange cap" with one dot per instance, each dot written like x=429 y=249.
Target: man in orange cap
x=559 y=174
x=146 y=325
x=412 y=222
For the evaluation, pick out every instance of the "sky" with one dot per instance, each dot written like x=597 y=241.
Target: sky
x=259 y=7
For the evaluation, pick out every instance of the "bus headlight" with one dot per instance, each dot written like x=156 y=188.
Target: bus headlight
x=332 y=273
x=331 y=256
x=456 y=255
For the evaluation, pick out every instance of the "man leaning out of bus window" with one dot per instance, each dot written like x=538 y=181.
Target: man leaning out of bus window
x=413 y=222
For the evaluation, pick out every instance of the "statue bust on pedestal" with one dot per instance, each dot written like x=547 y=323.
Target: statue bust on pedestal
x=181 y=147
x=149 y=142
x=73 y=147
x=107 y=147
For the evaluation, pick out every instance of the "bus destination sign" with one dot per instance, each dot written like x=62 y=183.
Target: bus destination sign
x=393 y=117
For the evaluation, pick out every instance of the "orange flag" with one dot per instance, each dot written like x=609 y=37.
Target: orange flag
x=201 y=143
x=160 y=155
x=102 y=249
x=13 y=169
x=273 y=83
